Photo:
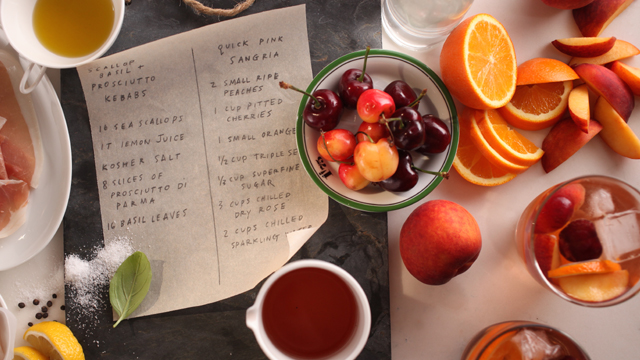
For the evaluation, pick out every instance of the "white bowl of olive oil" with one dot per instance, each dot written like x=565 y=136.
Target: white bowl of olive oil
x=60 y=34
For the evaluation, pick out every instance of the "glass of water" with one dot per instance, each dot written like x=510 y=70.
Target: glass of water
x=419 y=25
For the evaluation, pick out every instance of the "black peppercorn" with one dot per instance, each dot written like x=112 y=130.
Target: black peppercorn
x=62 y=307
x=45 y=315
x=38 y=316
x=21 y=305
x=30 y=324
x=44 y=309
x=54 y=296
x=36 y=301
x=49 y=303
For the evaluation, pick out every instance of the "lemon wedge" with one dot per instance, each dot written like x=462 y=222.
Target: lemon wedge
x=27 y=353
x=54 y=340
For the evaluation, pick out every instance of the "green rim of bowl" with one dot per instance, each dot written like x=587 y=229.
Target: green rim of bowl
x=452 y=147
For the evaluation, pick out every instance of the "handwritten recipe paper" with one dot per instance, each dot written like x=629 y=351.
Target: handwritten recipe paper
x=196 y=156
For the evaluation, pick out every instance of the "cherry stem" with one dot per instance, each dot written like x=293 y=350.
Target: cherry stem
x=324 y=141
x=317 y=104
x=365 y=134
x=443 y=174
x=364 y=67
x=417 y=100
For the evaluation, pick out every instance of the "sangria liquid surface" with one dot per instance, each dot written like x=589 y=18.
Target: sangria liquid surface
x=614 y=208
x=520 y=340
x=73 y=28
x=310 y=313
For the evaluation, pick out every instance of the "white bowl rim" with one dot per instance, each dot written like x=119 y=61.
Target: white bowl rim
x=455 y=130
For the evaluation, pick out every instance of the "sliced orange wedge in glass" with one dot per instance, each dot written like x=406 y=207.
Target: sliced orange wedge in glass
x=509 y=143
x=584 y=268
x=470 y=163
x=538 y=106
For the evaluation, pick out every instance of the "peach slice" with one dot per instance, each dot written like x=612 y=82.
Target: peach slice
x=547 y=252
x=567 y=4
x=596 y=16
x=584 y=267
x=607 y=84
x=579 y=106
x=620 y=50
x=575 y=193
x=563 y=140
x=595 y=287
x=615 y=131
x=628 y=74
x=584 y=46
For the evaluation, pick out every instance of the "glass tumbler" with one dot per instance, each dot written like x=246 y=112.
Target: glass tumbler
x=580 y=239
x=419 y=25
x=522 y=340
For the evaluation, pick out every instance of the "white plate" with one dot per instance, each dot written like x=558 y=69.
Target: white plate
x=48 y=202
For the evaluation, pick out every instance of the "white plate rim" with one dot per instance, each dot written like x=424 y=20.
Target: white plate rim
x=47 y=205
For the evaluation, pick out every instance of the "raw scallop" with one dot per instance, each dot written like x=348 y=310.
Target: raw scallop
x=13 y=200
x=22 y=148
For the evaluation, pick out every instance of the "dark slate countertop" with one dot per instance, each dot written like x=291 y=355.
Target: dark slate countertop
x=354 y=240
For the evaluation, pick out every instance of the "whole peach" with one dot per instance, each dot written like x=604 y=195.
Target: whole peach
x=439 y=240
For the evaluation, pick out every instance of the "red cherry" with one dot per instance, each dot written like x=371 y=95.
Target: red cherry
x=351 y=177
x=402 y=94
x=555 y=213
x=376 y=131
x=373 y=103
x=579 y=241
x=336 y=145
x=324 y=109
x=353 y=83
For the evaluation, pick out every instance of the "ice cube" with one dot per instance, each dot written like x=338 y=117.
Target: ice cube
x=619 y=235
x=599 y=203
x=535 y=345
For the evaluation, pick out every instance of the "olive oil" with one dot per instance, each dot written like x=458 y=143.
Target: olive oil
x=73 y=28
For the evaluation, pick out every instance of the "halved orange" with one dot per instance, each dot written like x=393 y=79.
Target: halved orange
x=470 y=163
x=585 y=267
x=544 y=70
x=489 y=152
x=509 y=143
x=535 y=107
x=478 y=63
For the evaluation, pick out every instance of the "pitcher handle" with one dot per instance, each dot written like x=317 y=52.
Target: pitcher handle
x=27 y=74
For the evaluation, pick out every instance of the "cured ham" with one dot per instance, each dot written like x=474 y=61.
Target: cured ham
x=14 y=195
x=22 y=146
x=21 y=152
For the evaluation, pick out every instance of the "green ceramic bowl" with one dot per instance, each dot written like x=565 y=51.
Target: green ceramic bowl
x=384 y=67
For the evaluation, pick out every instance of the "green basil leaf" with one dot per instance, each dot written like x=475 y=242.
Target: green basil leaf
x=130 y=285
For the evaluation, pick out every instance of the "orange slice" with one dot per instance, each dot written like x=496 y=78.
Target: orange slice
x=543 y=70
x=470 y=163
x=585 y=267
x=509 y=143
x=478 y=63
x=489 y=152
x=535 y=107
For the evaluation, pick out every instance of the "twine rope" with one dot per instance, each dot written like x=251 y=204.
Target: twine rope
x=205 y=10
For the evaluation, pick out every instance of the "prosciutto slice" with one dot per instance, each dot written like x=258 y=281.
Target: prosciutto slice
x=22 y=145
x=14 y=195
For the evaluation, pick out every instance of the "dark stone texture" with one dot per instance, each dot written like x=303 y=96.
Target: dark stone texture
x=354 y=240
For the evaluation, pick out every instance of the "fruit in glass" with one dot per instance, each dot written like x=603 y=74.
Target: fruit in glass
x=581 y=240
x=516 y=340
